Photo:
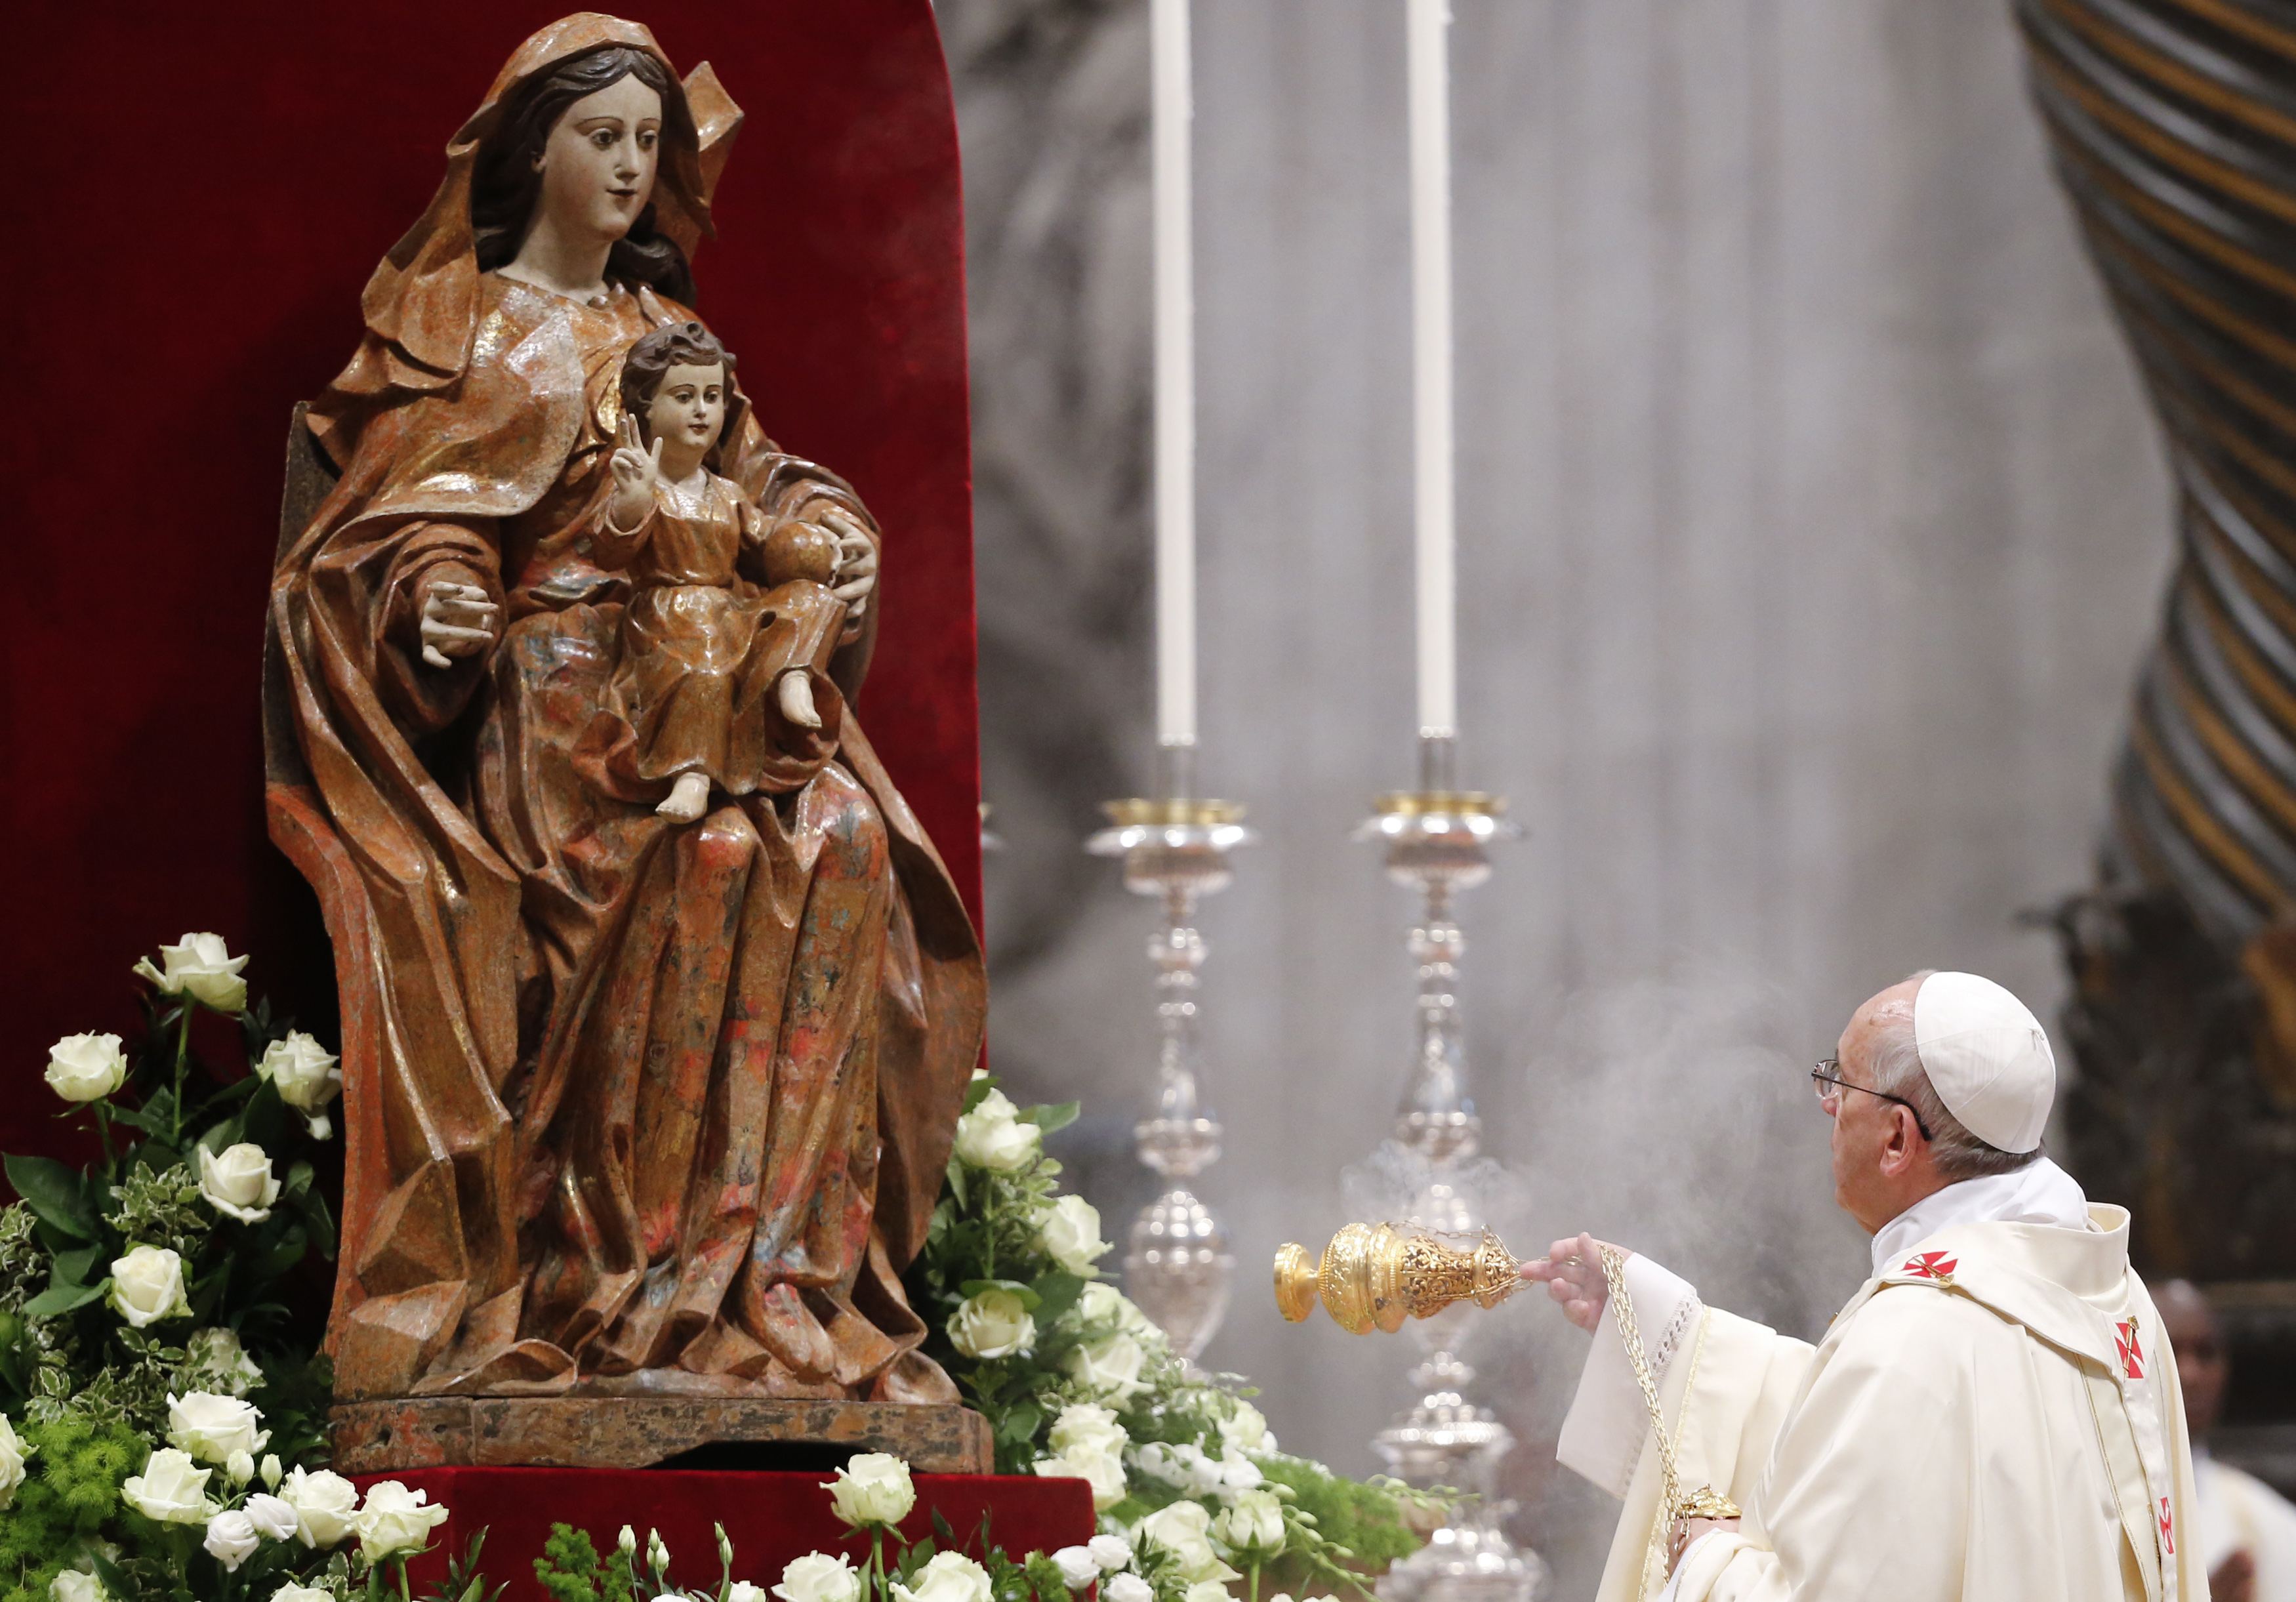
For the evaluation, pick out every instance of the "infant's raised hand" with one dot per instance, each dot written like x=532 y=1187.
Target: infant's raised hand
x=637 y=471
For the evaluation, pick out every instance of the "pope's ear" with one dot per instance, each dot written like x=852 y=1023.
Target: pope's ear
x=1904 y=1144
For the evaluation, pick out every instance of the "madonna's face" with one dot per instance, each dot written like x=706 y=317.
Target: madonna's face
x=598 y=166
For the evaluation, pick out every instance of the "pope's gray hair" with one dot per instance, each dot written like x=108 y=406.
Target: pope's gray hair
x=1897 y=1065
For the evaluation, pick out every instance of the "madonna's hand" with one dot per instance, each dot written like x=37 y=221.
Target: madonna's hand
x=458 y=621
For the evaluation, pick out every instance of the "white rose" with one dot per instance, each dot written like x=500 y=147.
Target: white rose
x=817 y=1577
x=239 y=1183
x=76 y=1585
x=86 y=1067
x=212 y=1428
x=1104 y=1473
x=993 y=1137
x=292 y=1592
x=1184 y=1466
x=1127 y=1587
x=215 y=1360
x=239 y=1468
x=1108 y=1367
x=1111 y=1552
x=324 y=1502
x=1245 y=1430
x=874 y=1489
x=394 y=1519
x=1077 y=1566
x=1070 y=1231
x=1184 y=1529
x=657 y=1550
x=745 y=1591
x=1253 y=1522
x=231 y=1539
x=947 y=1577
x=1102 y=1304
x=270 y=1469
x=273 y=1518
x=13 y=1451
x=992 y=1324
x=147 y=1286
x=202 y=968
x=1205 y=1590
x=1086 y=1427
x=306 y=1075
x=1231 y=1476
x=172 y=1489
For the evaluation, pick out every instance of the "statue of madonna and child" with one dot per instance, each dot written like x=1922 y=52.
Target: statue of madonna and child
x=658 y=1005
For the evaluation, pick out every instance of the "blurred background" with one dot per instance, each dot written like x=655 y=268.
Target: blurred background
x=1811 y=527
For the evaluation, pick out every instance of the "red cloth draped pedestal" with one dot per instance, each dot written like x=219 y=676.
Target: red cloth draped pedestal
x=771 y=1517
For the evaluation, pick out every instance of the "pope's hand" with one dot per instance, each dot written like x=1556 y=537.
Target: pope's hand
x=1572 y=1272
x=1688 y=1531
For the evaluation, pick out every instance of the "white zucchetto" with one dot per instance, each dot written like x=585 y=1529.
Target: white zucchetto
x=1987 y=1058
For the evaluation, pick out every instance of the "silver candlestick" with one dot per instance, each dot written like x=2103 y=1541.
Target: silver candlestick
x=1437 y=838
x=1176 y=1263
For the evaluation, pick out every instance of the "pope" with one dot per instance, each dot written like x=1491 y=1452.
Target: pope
x=1994 y=1416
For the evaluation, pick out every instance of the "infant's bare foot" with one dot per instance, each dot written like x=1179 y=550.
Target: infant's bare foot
x=797 y=700
x=687 y=799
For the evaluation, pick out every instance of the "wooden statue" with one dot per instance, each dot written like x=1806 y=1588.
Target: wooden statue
x=657 y=1005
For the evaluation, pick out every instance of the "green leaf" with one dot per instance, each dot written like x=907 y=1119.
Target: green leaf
x=57 y=1195
x=116 y=1581
x=284 y=1256
x=956 y=1180
x=1019 y=1424
x=64 y=1298
x=1052 y=1118
x=71 y=1268
x=138 y=1118
x=1056 y=1293
x=321 y=1221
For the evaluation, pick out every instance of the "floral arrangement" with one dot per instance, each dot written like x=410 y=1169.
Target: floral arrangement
x=1192 y=1493
x=160 y=1421
x=873 y=1494
x=162 y=1416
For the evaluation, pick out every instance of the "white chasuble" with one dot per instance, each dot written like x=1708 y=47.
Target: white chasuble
x=1994 y=1419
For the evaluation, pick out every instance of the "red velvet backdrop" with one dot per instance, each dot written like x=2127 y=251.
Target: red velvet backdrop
x=771 y=1517
x=210 y=189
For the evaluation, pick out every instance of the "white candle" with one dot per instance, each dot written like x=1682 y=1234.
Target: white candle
x=1176 y=381
x=1429 y=24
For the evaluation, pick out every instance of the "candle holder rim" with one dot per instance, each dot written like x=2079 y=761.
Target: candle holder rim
x=1186 y=812
x=1425 y=803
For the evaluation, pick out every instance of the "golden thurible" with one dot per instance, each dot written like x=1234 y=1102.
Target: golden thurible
x=1374 y=1275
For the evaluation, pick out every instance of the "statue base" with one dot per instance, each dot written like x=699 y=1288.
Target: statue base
x=645 y=1432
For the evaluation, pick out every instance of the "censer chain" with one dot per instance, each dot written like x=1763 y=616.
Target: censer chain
x=1674 y=1507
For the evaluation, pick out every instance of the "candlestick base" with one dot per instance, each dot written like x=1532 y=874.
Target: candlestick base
x=1437 y=839
x=1177 y=1268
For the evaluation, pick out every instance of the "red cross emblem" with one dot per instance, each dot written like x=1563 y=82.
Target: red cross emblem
x=2132 y=1355
x=1931 y=1265
x=2168 y=1530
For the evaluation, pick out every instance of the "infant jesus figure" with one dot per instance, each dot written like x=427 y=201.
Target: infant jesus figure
x=702 y=646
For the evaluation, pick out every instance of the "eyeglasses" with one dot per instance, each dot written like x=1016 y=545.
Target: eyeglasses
x=1826 y=1080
